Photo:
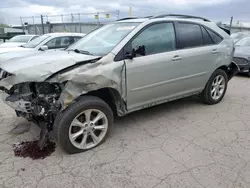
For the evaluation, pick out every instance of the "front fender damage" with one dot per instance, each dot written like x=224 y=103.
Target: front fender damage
x=90 y=77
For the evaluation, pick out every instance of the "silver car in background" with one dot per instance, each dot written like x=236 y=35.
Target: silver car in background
x=242 y=55
x=45 y=42
x=239 y=35
x=122 y=67
x=18 y=41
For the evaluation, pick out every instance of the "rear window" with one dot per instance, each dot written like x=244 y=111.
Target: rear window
x=216 y=38
x=189 y=35
x=207 y=40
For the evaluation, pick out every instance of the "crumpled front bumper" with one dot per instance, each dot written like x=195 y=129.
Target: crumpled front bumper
x=19 y=105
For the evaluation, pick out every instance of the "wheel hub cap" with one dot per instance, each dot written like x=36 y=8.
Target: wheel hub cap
x=88 y=129
x=218 y=87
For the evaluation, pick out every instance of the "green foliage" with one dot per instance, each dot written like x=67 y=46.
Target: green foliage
x=4 y=25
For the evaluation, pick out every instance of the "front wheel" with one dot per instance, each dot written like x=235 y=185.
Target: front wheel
x=84 y=125
x=216 y=88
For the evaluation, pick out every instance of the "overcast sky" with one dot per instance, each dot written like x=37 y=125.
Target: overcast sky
x=217 y=10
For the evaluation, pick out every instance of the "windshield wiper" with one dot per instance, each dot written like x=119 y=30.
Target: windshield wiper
x=81 y=51
x=22 y=46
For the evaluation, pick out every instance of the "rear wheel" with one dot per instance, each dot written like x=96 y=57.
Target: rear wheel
x=216 y=88
x=84 y=125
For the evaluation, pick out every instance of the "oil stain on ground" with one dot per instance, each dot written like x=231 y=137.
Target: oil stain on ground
x=32 y=150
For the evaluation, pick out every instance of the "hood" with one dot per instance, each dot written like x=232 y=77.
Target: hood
x=242 y=51
x=11 y=44
x=41 y=65
x=16 y=54
x=14 y=49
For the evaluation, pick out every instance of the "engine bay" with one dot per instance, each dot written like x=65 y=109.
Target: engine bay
x=38 y=101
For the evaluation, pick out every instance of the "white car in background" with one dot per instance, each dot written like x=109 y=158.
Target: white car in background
x=18 y=41
x=45 y=42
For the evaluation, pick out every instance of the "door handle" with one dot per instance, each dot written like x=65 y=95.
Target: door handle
x=176 y=58
x=215 y=51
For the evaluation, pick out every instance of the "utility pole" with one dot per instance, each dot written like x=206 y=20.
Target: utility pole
x=21 y=19
x=79 y=19
x=33 y=19
x=118 y=14
x=231 y=22
x=42 y=24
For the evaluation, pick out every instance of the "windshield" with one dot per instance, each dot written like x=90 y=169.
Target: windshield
x=244 y=42
x=101 y=41
x=20 y=38
x=34 y=43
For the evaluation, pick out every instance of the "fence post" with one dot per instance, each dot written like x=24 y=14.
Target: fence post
x=42 y=24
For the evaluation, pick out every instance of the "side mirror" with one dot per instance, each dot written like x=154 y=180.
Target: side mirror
x=130 y=55
x=44 y=48
x=140 y=50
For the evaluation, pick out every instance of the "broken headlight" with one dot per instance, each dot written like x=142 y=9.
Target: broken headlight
x=4 y=74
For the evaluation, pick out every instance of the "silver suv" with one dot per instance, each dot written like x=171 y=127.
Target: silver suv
x=117 y=69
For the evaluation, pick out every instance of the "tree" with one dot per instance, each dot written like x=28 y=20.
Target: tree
x=4 y=25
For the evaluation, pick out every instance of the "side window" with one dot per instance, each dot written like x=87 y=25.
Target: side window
x=66 y=41
x=155 y=39
x=189 y=35
x=216 y=38
x=76 y=38
x=207 y=40
x=59 y=42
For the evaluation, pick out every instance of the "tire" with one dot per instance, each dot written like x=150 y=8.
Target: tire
x=63 y=123
x=206 y=95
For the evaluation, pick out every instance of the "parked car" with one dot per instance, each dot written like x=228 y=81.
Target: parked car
x=239 y=35
x=42 y=43
x=242 y=55
x=119 y=68
x=18 y=41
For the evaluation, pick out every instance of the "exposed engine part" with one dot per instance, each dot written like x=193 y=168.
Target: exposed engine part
x=44 y=135
x=37 y=102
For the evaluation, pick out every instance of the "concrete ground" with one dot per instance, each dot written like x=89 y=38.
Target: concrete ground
x=183 y=144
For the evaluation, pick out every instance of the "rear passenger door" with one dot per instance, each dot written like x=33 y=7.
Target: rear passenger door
x=199 y=54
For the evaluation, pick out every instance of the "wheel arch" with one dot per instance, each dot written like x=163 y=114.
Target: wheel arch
x=231 y=70
x=112 y=97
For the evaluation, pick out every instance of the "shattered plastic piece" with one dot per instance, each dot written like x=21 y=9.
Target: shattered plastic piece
x=32 y=150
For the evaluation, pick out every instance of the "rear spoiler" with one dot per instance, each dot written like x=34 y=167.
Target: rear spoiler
x=225 y=29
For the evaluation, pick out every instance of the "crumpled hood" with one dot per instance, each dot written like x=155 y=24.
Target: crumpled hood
x=242 y=51
x=11 y=44
x=49 y=61
x=41 y=65
x=13 y=49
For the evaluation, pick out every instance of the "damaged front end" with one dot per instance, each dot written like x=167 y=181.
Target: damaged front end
x=34 y=101
x=37 y=102
x=42 y=98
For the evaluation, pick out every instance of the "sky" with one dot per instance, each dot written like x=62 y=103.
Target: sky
x=216 y=10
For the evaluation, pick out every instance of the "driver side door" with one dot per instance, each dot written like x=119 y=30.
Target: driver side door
x=149 y=72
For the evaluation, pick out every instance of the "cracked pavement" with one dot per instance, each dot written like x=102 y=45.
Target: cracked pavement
x=183 y=144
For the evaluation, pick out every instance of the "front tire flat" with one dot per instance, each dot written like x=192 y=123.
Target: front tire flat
x=84 y=125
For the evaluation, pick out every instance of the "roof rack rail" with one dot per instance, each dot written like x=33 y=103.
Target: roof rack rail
x=181 y=16
x=128 y=18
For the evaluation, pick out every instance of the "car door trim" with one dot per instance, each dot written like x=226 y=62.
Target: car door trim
x=169 y=81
